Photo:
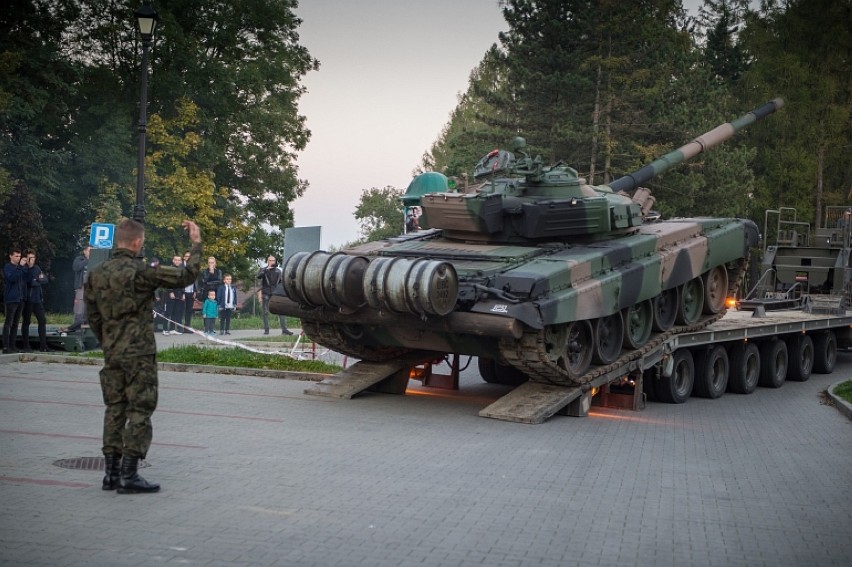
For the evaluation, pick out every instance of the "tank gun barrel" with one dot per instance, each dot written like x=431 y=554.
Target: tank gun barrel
x=704 y=142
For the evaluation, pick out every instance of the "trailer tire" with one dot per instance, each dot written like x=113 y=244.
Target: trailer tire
x=495 y=373
x=825 y=352
x=712 y=369
x=677 y=388
x=773 y=363
x=801 y=363
x=745 y=368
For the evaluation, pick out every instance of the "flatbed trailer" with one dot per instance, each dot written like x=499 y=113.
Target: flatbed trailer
x=737 y=353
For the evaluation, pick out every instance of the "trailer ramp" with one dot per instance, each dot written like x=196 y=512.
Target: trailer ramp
x=534 y=402
x=390 y=377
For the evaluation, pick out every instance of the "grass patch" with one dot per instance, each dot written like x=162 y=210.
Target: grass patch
x=844 y=391
x=288 y=339
x=240 y=321
x=233 y=357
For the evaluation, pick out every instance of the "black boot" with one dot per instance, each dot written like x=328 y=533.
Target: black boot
x=112 y=471
x=130 y=481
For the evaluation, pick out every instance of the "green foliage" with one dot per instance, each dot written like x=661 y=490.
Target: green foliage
x=223 y=117
x=21 y=226
x=844 y=390
x=235 y=357
x=609 y=86
x=379 y=212
x=240 y=358
x=804 y=53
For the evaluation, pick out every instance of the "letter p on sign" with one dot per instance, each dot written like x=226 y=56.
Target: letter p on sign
x=101 y=235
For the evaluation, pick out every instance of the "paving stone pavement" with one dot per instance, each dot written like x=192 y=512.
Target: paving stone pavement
x=254 y=472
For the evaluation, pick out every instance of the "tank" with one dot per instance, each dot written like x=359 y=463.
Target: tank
x=540 y=275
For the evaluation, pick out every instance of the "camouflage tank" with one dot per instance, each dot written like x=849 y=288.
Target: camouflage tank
x=540 y=275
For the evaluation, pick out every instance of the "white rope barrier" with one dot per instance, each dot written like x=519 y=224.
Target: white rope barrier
x=226 y=342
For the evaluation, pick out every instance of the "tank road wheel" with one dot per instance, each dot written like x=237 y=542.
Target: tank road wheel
x=773 y=363
x=677 y=388
x=801 y=361
x=665 y=309
x=638 y=321
x=745 y=368
x=825 y=352
x=609 y=333
x=715 y=289
x=711 y=372
x=571 y=347
x=495 y=373
x=691 y=301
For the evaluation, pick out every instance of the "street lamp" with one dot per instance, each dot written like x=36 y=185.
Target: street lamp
x=147 y=18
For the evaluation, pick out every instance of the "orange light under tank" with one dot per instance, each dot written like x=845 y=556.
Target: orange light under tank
x=730 y=303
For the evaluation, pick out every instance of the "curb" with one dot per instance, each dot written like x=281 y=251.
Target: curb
x=171 y=367
x=842 y=405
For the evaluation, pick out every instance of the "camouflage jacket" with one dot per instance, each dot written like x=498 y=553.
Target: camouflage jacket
x=119 y=296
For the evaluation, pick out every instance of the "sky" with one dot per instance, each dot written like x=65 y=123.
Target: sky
x=390 y=75
x=391 y=72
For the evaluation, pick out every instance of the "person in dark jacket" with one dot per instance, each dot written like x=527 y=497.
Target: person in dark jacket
x=174 y=304
x=120 y=298
x=81 y=269
x=226 y=297
x=270 y=276
x=34 y=304
x=209 y=280
x=14 y=288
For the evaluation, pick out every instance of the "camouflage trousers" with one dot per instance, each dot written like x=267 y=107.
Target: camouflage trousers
x=129 y=387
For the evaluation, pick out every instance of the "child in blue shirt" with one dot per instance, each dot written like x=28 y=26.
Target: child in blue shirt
x=209 y=311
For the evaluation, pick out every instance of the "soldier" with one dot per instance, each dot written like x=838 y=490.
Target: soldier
x=119 y=296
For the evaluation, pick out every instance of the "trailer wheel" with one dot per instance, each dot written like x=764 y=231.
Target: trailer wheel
x=745 y=368
x=495 y=373
x=825 y=352
x=711 y=372
x=677 y=388
x=801 y=362
x=773 y=363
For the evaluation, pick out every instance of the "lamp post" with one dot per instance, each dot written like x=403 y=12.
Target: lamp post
x=146 y=16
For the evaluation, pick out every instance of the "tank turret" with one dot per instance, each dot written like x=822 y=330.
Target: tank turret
x=540 y=275
x=534 y=202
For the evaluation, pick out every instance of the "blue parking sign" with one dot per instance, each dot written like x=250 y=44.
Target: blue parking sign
x=101 y=235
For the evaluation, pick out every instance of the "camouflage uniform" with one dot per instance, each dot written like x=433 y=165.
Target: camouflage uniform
x=119 y=296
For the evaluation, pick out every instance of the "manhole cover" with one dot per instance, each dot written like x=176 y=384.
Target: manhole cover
x=88 y=463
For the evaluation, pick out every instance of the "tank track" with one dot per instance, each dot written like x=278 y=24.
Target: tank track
x=331 y=336
x=528 y=353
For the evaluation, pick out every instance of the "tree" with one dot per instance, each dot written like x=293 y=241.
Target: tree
x=37 y=90
x=380 y=213
x=476 y=126
x=803 y=53
x=69 y=80
x=21 y=226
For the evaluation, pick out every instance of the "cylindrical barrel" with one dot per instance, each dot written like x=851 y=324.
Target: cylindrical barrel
x=323 y=279
x=419 y=286
x=704 y=142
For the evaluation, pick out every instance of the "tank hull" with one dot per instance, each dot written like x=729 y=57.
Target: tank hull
x=505 y=292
